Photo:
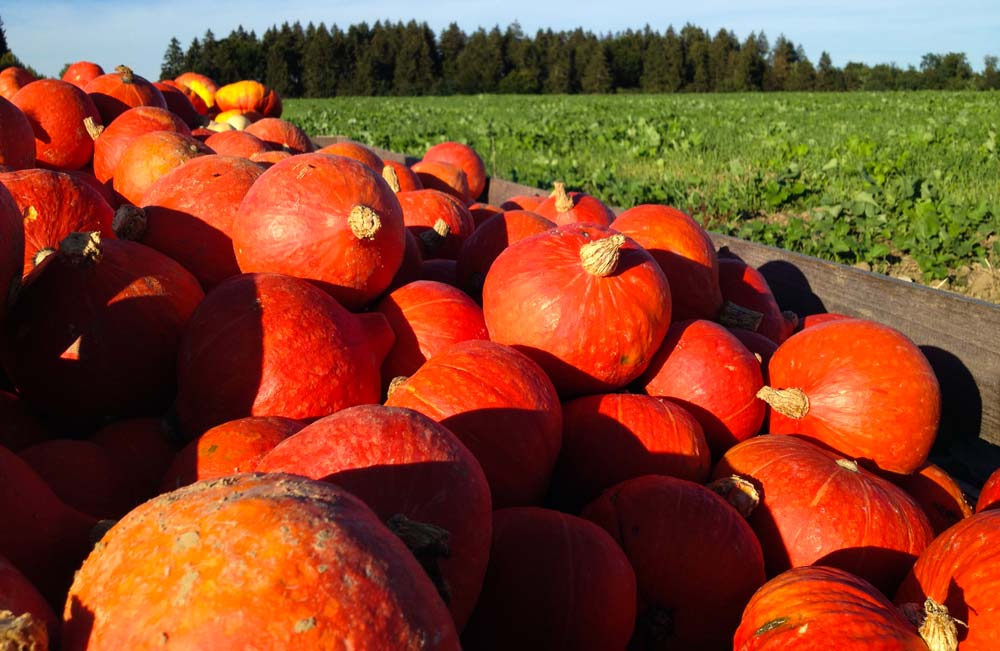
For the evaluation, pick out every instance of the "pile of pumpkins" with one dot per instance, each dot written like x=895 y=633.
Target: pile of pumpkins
x=259 y=394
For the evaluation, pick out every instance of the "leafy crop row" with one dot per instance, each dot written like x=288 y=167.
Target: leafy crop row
x=855 y=177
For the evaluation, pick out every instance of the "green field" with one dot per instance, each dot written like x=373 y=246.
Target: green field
x=899 y=182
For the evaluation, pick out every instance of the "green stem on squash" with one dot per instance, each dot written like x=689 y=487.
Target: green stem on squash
x=737 y=316
x=23 y=632
x=791 y=403
x=600 y=257
x=564 y=202
x=364 y=222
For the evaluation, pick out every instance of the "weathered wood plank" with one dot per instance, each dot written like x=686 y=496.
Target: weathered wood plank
x=960 y=336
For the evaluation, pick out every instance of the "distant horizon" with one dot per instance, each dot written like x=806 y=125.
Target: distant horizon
x=49 y=34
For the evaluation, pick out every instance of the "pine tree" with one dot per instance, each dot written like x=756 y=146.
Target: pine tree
x=828 y=77
x=173 y=60
x=414 y=68
x=558 y=64
x=990 y=78
x=625 y=58
x=451 y=44
x=674 y=60
x=596 y=76
x=722 y=53
x=524 y=68
x=317 y=64
x=4 y=48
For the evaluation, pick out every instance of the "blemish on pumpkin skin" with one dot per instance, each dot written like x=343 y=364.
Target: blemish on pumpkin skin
x=185 y=586
x=304 y=625
x=187 y=540
x=771 y=625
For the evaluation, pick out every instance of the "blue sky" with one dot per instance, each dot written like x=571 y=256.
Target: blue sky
x=47 y=34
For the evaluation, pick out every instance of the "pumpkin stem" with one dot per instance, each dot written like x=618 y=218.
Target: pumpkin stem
x=364 y=222
x=564 y=202
x=429 y=545
x=40 y=255
x=395 y=383
x=81 y=248
x=600 y=257
x=434 y=237
x=22 y=632
x=740 y=493
x=791 y=403
x=737 y=316
x=936 y=626
x=391 y=178
x=93 y=129
x=128 y=76
x=847 y=464
x=129 y=223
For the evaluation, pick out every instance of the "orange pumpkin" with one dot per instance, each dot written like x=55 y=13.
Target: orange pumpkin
x=249 y=95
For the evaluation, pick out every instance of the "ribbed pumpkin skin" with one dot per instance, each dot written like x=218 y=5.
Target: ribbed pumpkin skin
x=708 y=371
x=684 y=251
x=17 y=140
x=81 y=72
x=91 y=340
x=989 y=496
x=204 y=87
x=118 y=135
x=609 y=438
x=961 y=569
x=116 y=92
x=818 y=509
x=466 y=159
x=283 y=135
x=556 y=582
x=421 y=211
x=55 y=204
x=254 y=561
x=295 y=220
x=495 y=234
x=873 y=396
x=444 y=177
x=358 y=152
x=815 y=608
x=149 y=157
x=937 y=493
x=274 y=345
x=696 y=560
x=190 y=212
x=585 y=209
x=427 y=317
x=501 y=406
x=248 y=95
x=398 y=461
x=11 y=248
x=745 y=286
x=590 y=333
x=56 y=110
x=228 y=448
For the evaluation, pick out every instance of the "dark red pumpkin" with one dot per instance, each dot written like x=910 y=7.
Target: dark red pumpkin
x=17 y=140
x=268 y=561
x=95 y=330
x=20 y=427
x=989 y=495
x=327 y=219
x=141 y=449
x=179 y=103
x=818 y=508
x=275 y=345
x=440 y=223
x=482 y=211
x=283 y=135
x=501 y=405
x=480 y=249
x=190 y=213
x=81 y=73
x=411 y=267
x=684 y=251
x=819 y=608
x=937 y=493
x=57 y=110
x=53 y=205
x=116 y=92
x=466 y=159
x=696 y=560
x=41 y=536
x=608 y=438
x=523 y=202
x=19 y=596
x=81 y=474
x=427 y=317
x=589 y=305
x=13 y=79
x=11 y=249
x=555 y=582
x=441 y=270
x=859 y=387
x=564 y=207
x=816 y=319
x=749 y=303
x=705 y=368
x=412 y=472
x=114 y=139
x=444 y=177
x=228 y=448
x=961 y=570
